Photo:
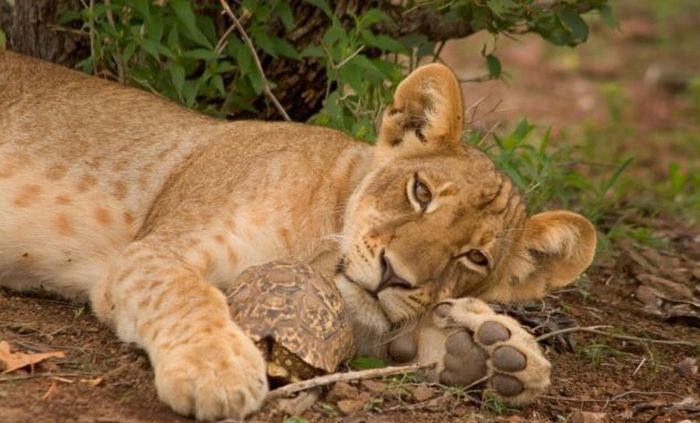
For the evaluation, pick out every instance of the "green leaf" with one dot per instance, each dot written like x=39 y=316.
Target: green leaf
x=606 y=13
x=312 y=51
x=183 y=11
x=218 y=82
x=165 y=51
x=237 y=50
x=494 y=66
x=500 y=7
x=69 y=16
x=177 y=76
x=323 y=5
x=201 y=54
x=151 y=47
x=383 y=42
x=334 y=33
x=255 y=81
x=2 y=40
x=367 y=65
x=573 y=22
x=352 y=75
x=129 y=51
x=373 y=16
x=265 y=42
x=284 y=48
x=286 y=15
x=143 y=8
x=190 y=90
x=154 y=27
x=224 y=66
x=362 y=363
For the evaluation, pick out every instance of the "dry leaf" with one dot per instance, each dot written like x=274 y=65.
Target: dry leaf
x=687 y=366
x=92 y=382
x=350 y=406
x=423 y=392
x=374 y=386
x=341 y=391
x=667 y=289
x=17 y=360
x=49 y=392
x=587 y=417
x=298 y=405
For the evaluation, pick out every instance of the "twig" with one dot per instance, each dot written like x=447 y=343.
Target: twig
x=58 y=28
x=256 y=59
x=471 y=110
x=641 y=363
x=615 y=398
x=482 y=78
x=592 y=329
x=119 y=57
x=91 y=26
x=221 y=45
x=349 y=58
x=567 y=330
x=654 y=393
x=292 y=388
x=41 y=375
x=490 y=111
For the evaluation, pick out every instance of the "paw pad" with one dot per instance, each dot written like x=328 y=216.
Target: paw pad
x=492 y=332
x=507 y=386
x=508 y=359
x=465 y=361
x=443 y=310
x=403 y=349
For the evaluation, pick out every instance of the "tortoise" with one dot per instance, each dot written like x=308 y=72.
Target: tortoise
x=296 y=317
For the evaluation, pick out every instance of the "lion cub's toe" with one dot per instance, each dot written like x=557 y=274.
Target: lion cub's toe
x=472 y=344
x=212 y=378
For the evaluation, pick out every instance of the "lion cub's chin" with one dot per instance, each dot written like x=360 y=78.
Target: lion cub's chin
x=369 y=320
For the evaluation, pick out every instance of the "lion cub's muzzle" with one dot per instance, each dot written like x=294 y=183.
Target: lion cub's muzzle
x=389 y=278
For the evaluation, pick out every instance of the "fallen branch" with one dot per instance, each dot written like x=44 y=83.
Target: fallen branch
x=593 y=329
x=42 y=375
x=569 y=330
x=292 y=388
x=256 y=59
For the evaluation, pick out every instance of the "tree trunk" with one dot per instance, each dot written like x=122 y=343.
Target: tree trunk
x=31 y=29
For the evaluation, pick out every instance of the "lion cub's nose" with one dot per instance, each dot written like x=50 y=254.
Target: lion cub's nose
x=390 y=278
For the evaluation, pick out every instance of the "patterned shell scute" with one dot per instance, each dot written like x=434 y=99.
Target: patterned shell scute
x=296 y=306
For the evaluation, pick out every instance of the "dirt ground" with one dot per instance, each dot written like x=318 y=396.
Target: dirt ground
x=645 y=371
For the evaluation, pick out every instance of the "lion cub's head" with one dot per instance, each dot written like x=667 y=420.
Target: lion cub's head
x=436 y=219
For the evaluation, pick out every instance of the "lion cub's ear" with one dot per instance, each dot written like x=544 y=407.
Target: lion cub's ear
x=427 y=112
x=555 y=247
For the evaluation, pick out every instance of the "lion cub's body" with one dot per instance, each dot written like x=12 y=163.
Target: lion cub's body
x=146 y=209
x=73 y=196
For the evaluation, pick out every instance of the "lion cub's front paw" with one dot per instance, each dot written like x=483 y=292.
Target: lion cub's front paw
x=472 y=344
x=213 y=377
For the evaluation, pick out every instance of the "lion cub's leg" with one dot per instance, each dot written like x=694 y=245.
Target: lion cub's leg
x=471 y=344
x=204 y=364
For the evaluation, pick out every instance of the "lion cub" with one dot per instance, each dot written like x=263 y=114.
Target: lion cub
x=147 y=210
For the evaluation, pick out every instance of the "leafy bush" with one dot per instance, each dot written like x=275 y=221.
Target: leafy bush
x=188 y=52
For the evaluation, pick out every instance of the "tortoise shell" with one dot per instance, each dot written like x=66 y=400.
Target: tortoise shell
x=288 y=307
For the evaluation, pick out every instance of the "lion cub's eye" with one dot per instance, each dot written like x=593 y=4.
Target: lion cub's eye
x=421 y=193
x=477 y=257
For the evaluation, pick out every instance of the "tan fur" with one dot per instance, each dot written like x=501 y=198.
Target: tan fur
x=145 y=208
